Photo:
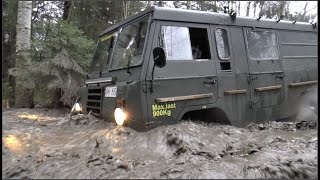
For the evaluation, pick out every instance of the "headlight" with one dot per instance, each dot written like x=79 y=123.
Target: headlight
x=76 y=108
x=120 y=116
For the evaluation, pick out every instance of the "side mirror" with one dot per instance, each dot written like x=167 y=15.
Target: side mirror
x=159 y=57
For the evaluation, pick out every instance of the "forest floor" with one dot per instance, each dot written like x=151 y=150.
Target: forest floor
x=43 y=143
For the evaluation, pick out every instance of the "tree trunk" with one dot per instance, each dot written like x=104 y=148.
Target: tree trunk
x=160 y=4
x=282 y=10
x=66 y=7
x=239 y=7
x=188 y=4
x=248 y=8
x=23 y=97
x=261 y=5
x=254 y=8
x=231 y=6
x=215 y=6
x=305 y=9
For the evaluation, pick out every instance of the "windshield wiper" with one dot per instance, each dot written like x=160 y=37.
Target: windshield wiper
x=128 y=64
x=130 y=43
x=130 y=56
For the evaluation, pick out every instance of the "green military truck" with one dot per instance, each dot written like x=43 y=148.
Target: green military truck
x=164 y=65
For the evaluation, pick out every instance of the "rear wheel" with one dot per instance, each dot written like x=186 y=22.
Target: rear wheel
x=213 y=115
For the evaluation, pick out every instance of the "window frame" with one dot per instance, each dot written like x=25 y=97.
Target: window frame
x=144 y=46
x=229 y=45
x=96 y=47
x=261 y=30
x=188 y=25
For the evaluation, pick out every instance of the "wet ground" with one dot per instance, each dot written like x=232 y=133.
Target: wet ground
x=42 y=143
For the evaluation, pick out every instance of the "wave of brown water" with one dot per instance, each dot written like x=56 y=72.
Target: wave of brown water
x=45 y=144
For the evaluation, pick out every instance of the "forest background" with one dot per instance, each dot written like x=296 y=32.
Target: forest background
x=47 y=46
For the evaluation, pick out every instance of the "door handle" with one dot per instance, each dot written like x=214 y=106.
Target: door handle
x=212 y=81
x=279 y=76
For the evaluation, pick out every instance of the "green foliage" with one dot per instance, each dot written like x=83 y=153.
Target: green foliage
x=7 y=92
x=9 y=13
x=92 y=17
x=59 y=63
x=62 y=49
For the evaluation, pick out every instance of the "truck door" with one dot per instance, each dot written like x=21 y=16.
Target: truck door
x=265 y=68
x=189 y=78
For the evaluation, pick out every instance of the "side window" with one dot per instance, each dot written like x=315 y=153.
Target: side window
x=222 y=43
x=184 y=43
x=223 y=49
x=262 y=45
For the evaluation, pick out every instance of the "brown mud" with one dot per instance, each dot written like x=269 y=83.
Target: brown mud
x=42 y=143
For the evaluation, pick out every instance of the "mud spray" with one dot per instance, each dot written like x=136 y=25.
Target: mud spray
x=308 y=106
x=39 y=143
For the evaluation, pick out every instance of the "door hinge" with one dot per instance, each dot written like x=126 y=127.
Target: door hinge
x=279 y=76
x=251 y=102
x=147 y=86
x=251 y=78
x=144 y=87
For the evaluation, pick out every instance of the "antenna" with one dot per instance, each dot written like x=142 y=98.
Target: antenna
x=259 y=18
x=278 y=20
x=293 y=22
x=233 y=14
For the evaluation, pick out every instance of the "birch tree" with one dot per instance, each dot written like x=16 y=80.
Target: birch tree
x=23 y=95
x=248 y=8
x=254 y=8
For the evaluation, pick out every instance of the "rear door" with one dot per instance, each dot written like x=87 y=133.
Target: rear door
x=189 y=78
x=266 y=76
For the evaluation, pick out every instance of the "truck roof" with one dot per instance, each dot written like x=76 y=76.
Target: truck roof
x=204 y=17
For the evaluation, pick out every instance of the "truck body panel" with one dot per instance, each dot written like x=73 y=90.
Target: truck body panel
x=242 y=70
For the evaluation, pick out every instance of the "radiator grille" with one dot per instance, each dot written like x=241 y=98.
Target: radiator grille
x=94 y=102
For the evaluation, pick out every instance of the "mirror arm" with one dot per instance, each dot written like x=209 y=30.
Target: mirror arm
x=151 y=85
x=129 y=61
x=128 y=67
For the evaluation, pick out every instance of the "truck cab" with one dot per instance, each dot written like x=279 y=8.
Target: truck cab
x=163 y=65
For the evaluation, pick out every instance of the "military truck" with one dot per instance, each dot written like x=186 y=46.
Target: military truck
x=164 y=65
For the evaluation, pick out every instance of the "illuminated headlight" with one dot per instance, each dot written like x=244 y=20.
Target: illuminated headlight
x=76 y=107
x=120 y=116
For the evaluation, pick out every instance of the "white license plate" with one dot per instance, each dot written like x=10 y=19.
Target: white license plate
x=111 y=91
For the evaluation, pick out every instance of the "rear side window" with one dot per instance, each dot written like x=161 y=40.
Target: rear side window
x=262 y=45
x=184 y=43
x=222 y=43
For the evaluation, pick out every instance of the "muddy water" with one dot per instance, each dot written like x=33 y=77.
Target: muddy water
x=49 y=144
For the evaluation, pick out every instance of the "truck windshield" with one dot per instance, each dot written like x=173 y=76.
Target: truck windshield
x=103 y=52
x=130 y=44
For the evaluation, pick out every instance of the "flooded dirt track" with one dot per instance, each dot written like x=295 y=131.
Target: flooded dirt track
x=42 y=143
